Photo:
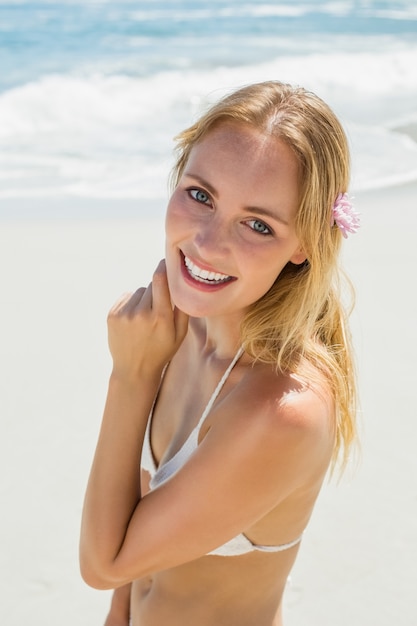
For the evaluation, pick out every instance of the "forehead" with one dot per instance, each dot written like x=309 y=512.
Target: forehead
x=234 y=147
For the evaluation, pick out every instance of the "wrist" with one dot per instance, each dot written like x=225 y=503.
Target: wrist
x=135 y=381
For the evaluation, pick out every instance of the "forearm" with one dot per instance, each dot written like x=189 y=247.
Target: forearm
x=113 y=489
x=119 y=613
x=144 y=332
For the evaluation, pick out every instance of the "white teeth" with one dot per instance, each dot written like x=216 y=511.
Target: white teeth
x=204 y=276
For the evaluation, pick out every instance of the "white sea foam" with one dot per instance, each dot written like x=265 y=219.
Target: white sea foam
x=111 y=136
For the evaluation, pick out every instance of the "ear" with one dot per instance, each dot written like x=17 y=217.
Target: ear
x=298 y=257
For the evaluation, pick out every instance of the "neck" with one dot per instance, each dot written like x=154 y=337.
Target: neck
x=217 y=337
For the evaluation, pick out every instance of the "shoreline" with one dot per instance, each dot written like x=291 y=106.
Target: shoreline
x=73 y=208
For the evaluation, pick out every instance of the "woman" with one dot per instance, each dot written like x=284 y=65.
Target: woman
x=232 y=376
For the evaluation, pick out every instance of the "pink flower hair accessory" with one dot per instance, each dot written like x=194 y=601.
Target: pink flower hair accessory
x=344 y=215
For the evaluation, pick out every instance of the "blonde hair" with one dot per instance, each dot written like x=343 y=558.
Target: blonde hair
x=301 y=318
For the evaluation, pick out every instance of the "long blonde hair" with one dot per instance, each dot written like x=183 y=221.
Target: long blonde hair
x=301 y=318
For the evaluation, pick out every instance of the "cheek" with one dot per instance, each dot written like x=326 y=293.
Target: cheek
x=269 y=277
x=264 y=266
x=176 y=218
x=169 y=221
x=265 y=285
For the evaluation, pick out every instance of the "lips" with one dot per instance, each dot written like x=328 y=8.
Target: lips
x=202 y=275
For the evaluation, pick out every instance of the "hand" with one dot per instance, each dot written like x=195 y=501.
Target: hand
x=144 y=329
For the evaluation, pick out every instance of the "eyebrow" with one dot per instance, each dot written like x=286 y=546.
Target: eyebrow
x=249 y=209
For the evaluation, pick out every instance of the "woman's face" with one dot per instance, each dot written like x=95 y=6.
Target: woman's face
x=230 y=221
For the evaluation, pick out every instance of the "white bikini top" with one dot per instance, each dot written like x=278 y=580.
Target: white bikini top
x=239 y=544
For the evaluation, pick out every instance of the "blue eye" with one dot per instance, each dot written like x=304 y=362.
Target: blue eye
x=200 y=196
x=259 y=227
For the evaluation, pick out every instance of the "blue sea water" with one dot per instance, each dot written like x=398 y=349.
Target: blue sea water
x=91 y=93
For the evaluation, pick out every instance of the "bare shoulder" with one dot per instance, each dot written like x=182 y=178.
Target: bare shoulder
x=287 y=416
x=300 y=401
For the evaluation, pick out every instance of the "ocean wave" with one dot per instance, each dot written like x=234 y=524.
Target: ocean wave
x=90 y=99
x=104 y=135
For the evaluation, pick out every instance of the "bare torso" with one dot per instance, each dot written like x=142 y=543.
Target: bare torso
x=245 y=590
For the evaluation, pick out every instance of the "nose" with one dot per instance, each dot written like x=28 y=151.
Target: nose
x=213 y=239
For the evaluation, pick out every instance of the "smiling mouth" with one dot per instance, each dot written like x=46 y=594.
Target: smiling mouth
x=204 y=276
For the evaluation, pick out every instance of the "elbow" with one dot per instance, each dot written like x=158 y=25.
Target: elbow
x=101 y=573
x=97 y=583
x=95 y=578
x=97 y=575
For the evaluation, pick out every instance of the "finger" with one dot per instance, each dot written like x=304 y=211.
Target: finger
x=127 y=302
x=160 y=291
x=120 y=303
x=142 y=298
x=181 y=323
x=145 y=302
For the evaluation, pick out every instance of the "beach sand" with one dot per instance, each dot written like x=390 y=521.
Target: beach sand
x=357 y=563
